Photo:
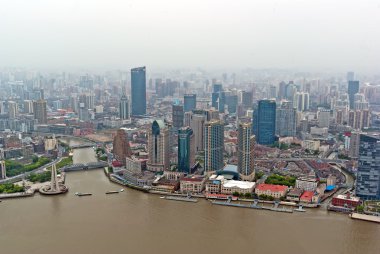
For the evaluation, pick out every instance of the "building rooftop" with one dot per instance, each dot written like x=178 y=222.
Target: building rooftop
x=307 y=195
x=271 y=187
x=238 y=184
x=348 y=197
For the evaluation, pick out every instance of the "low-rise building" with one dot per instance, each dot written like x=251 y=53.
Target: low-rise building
x=194 y=184
x=294 y=194
x=213 y=184
x=312 y=145
x=232 y=186
x=346 y=201
x=307 y=197
x=275 y=191
x=307 y=183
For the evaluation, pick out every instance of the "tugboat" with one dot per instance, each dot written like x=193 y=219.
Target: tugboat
x=112 y=192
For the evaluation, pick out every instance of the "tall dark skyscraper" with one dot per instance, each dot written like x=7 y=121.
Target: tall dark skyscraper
x=186 y=149
x=368 y=175
x=138 y=91
x=190 y=102
x=353 y=88
x=264 y=122
x=177 y=115
x=39 y=109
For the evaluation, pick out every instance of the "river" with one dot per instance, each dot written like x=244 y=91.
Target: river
x=136 y=222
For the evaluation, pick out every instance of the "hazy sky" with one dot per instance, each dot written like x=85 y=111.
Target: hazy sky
x=309 y=35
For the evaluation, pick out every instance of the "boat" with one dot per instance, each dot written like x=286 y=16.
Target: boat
x=299 y=209
x=112 y=192
x=79 y=194
x=121 y=190
x=186 y=199
x=162 y=197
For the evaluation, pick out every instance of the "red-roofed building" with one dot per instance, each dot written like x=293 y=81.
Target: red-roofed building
x=307 y=197
x=275 y=191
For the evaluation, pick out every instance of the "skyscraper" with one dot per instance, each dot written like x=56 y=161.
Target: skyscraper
x=190 y=102
x=28 y=106
x=121 y=148
x=158 y=147
x=186 y=149
x=264 y=122
x=286 y=119
x=350 y=76
x=39 y=110
x=301 y=101
x=124 y=108
x=246 y=143
x=353 y=88
x=177 y=115
x=246 y=99
x=197 y=124
x=12 y=109
x=213 y=145
x=138 y=91
x=368 y=175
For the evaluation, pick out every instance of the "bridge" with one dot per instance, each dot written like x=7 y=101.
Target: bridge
x=82 y=146
x=84 y=166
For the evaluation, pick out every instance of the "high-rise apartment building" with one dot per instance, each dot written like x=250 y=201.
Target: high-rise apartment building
x=3 y=170
x=213 y=145
x=138 y=91
x=264 y=122
x=12 y=109
x=197 y=124
x=246 y=144
x=39 y=110
x=368 y=175
x=158 y=147
x=28 y=106
x=286 y=119
x=301 y=101
x=186 y=149
x=124 y=108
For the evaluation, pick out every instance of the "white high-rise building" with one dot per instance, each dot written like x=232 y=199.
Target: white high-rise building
x=301 y=101
x=124 y=108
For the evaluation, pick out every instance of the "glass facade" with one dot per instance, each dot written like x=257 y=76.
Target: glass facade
x=138 y=91
x=190 y=102
x=368 y=175
x=264 y=122
x=353 y=88
x=214 y=145
x=186 y=149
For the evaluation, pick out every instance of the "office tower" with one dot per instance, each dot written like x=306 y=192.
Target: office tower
x=12 y=109
x=353 y=88
x=90 y=101
x=246 y=99
x=213 y=145
x=282 y=90
x=3 y=170
x=83 y=113
x=187 y=118
x=301 y=101
x=264 y=122
x=186 y=149
x=232 y=102
x=57 y=104
x=138 y=91
x=190 y=102
x=177 y=115
x=368 y=175
x=197 y=124
x=124 y=108
x=158 y=147
x=286 y=120
x=218 y=101
x=354 y=145
x=323 y=118
x=121 y=148
x=39 y=110
x=290 y=91
x=350 y=76
x=28 y=106
x=246 y=144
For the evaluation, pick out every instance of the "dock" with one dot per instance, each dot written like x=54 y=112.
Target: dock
x=365 y=217
x=185 y=199
x=253 y=205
